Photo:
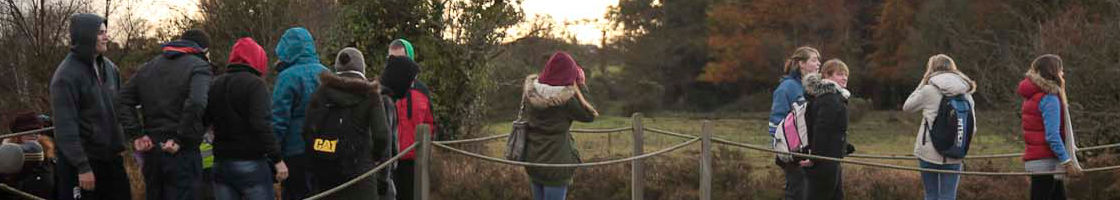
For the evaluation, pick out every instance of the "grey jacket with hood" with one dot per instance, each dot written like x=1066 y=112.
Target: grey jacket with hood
x=927 y=99
x=82 y=98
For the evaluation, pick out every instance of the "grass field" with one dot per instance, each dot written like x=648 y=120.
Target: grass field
x=740 y=173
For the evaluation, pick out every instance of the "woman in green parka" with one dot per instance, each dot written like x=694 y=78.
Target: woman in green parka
x=553 y=100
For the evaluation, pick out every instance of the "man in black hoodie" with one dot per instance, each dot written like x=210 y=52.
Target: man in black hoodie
x=171 y=91
x=87 y=134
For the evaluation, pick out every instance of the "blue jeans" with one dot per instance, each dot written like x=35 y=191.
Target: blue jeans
x=940 y=186
x=542 y=192
x=243 y=179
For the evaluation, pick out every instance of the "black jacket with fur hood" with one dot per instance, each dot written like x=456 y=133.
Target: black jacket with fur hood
x=361 y=99
x=827 y=115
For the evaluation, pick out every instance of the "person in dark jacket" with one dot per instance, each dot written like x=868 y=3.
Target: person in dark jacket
x=244 y=147
x=35 y=175
x=171 y=92
x=83 y=91
x=344 y=149
x=827 y=114
x=553 y=100
x=805 y=60
x=413 y=108
x=298 y=79
x=404 y=48
x=1046 y=129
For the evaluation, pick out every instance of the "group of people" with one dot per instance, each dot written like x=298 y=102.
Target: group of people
x=318 y=127
x=1045 y=124
x=314 y=129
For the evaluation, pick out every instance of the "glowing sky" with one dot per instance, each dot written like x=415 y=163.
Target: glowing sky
x=573 y=10
x=561 y=11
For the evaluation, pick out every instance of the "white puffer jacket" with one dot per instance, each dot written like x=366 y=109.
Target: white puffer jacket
x=927 y=99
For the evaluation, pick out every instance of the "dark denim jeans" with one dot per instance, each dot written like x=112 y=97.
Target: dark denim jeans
x=243 y=179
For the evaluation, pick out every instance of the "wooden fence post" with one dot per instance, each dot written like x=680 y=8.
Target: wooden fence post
x=423 y=157
x=706 y=161
x=637 y=175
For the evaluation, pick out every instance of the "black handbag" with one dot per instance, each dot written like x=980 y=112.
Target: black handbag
x=515 y=145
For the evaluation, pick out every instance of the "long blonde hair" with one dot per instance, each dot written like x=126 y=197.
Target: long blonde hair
x=943 y=63
x=801 y=54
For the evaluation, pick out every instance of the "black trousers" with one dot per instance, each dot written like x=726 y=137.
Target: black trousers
x=172 y=176
x=298 y=185
x=1046 y=187
x=825 y=181
x=404 y=177
x=327 y=178
x=110 y=180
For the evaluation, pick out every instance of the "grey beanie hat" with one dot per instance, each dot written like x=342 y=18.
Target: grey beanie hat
x=11 y=158
x=350 y=60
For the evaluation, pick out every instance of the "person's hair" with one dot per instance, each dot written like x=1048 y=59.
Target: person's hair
x=943 y=63
x=1047 y=66
x=396 y=44
x=832 y=66
x=801 y=54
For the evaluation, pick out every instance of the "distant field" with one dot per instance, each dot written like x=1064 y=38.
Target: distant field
x=738 y=173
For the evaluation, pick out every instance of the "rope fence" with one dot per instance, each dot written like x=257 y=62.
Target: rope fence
x=27 y=132
x=424 y=143
x=19 y=193
x=899 y=167
x=611 y=130
x=379 y=167
x=500 y=136
x=548 y=165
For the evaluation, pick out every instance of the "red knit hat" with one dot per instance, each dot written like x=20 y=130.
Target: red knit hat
x=247 y=52
x=561 y=70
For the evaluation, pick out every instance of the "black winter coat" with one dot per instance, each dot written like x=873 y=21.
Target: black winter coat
x=361 y=140
x=171 y=90
x=239 y=109
x=827 y=115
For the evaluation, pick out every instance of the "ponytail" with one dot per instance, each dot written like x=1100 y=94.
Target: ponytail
x=801 y=54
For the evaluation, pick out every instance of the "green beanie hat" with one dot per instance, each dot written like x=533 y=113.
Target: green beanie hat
x=407 y=47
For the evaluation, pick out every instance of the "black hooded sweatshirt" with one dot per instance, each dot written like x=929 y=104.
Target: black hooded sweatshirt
x=82 y=98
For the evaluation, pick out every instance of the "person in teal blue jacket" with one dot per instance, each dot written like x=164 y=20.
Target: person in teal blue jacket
x=299 y=68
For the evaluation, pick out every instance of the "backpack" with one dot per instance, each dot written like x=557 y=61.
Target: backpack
x=792 y=132
x=336 y=136
x=952 y=129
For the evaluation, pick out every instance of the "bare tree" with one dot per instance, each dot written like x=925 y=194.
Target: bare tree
x=35 y=38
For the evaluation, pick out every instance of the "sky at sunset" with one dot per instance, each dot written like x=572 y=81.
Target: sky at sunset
x=561 y=11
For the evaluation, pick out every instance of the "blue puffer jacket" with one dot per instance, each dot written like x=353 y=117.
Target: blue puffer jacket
x=298 y=79
x=789 y=90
